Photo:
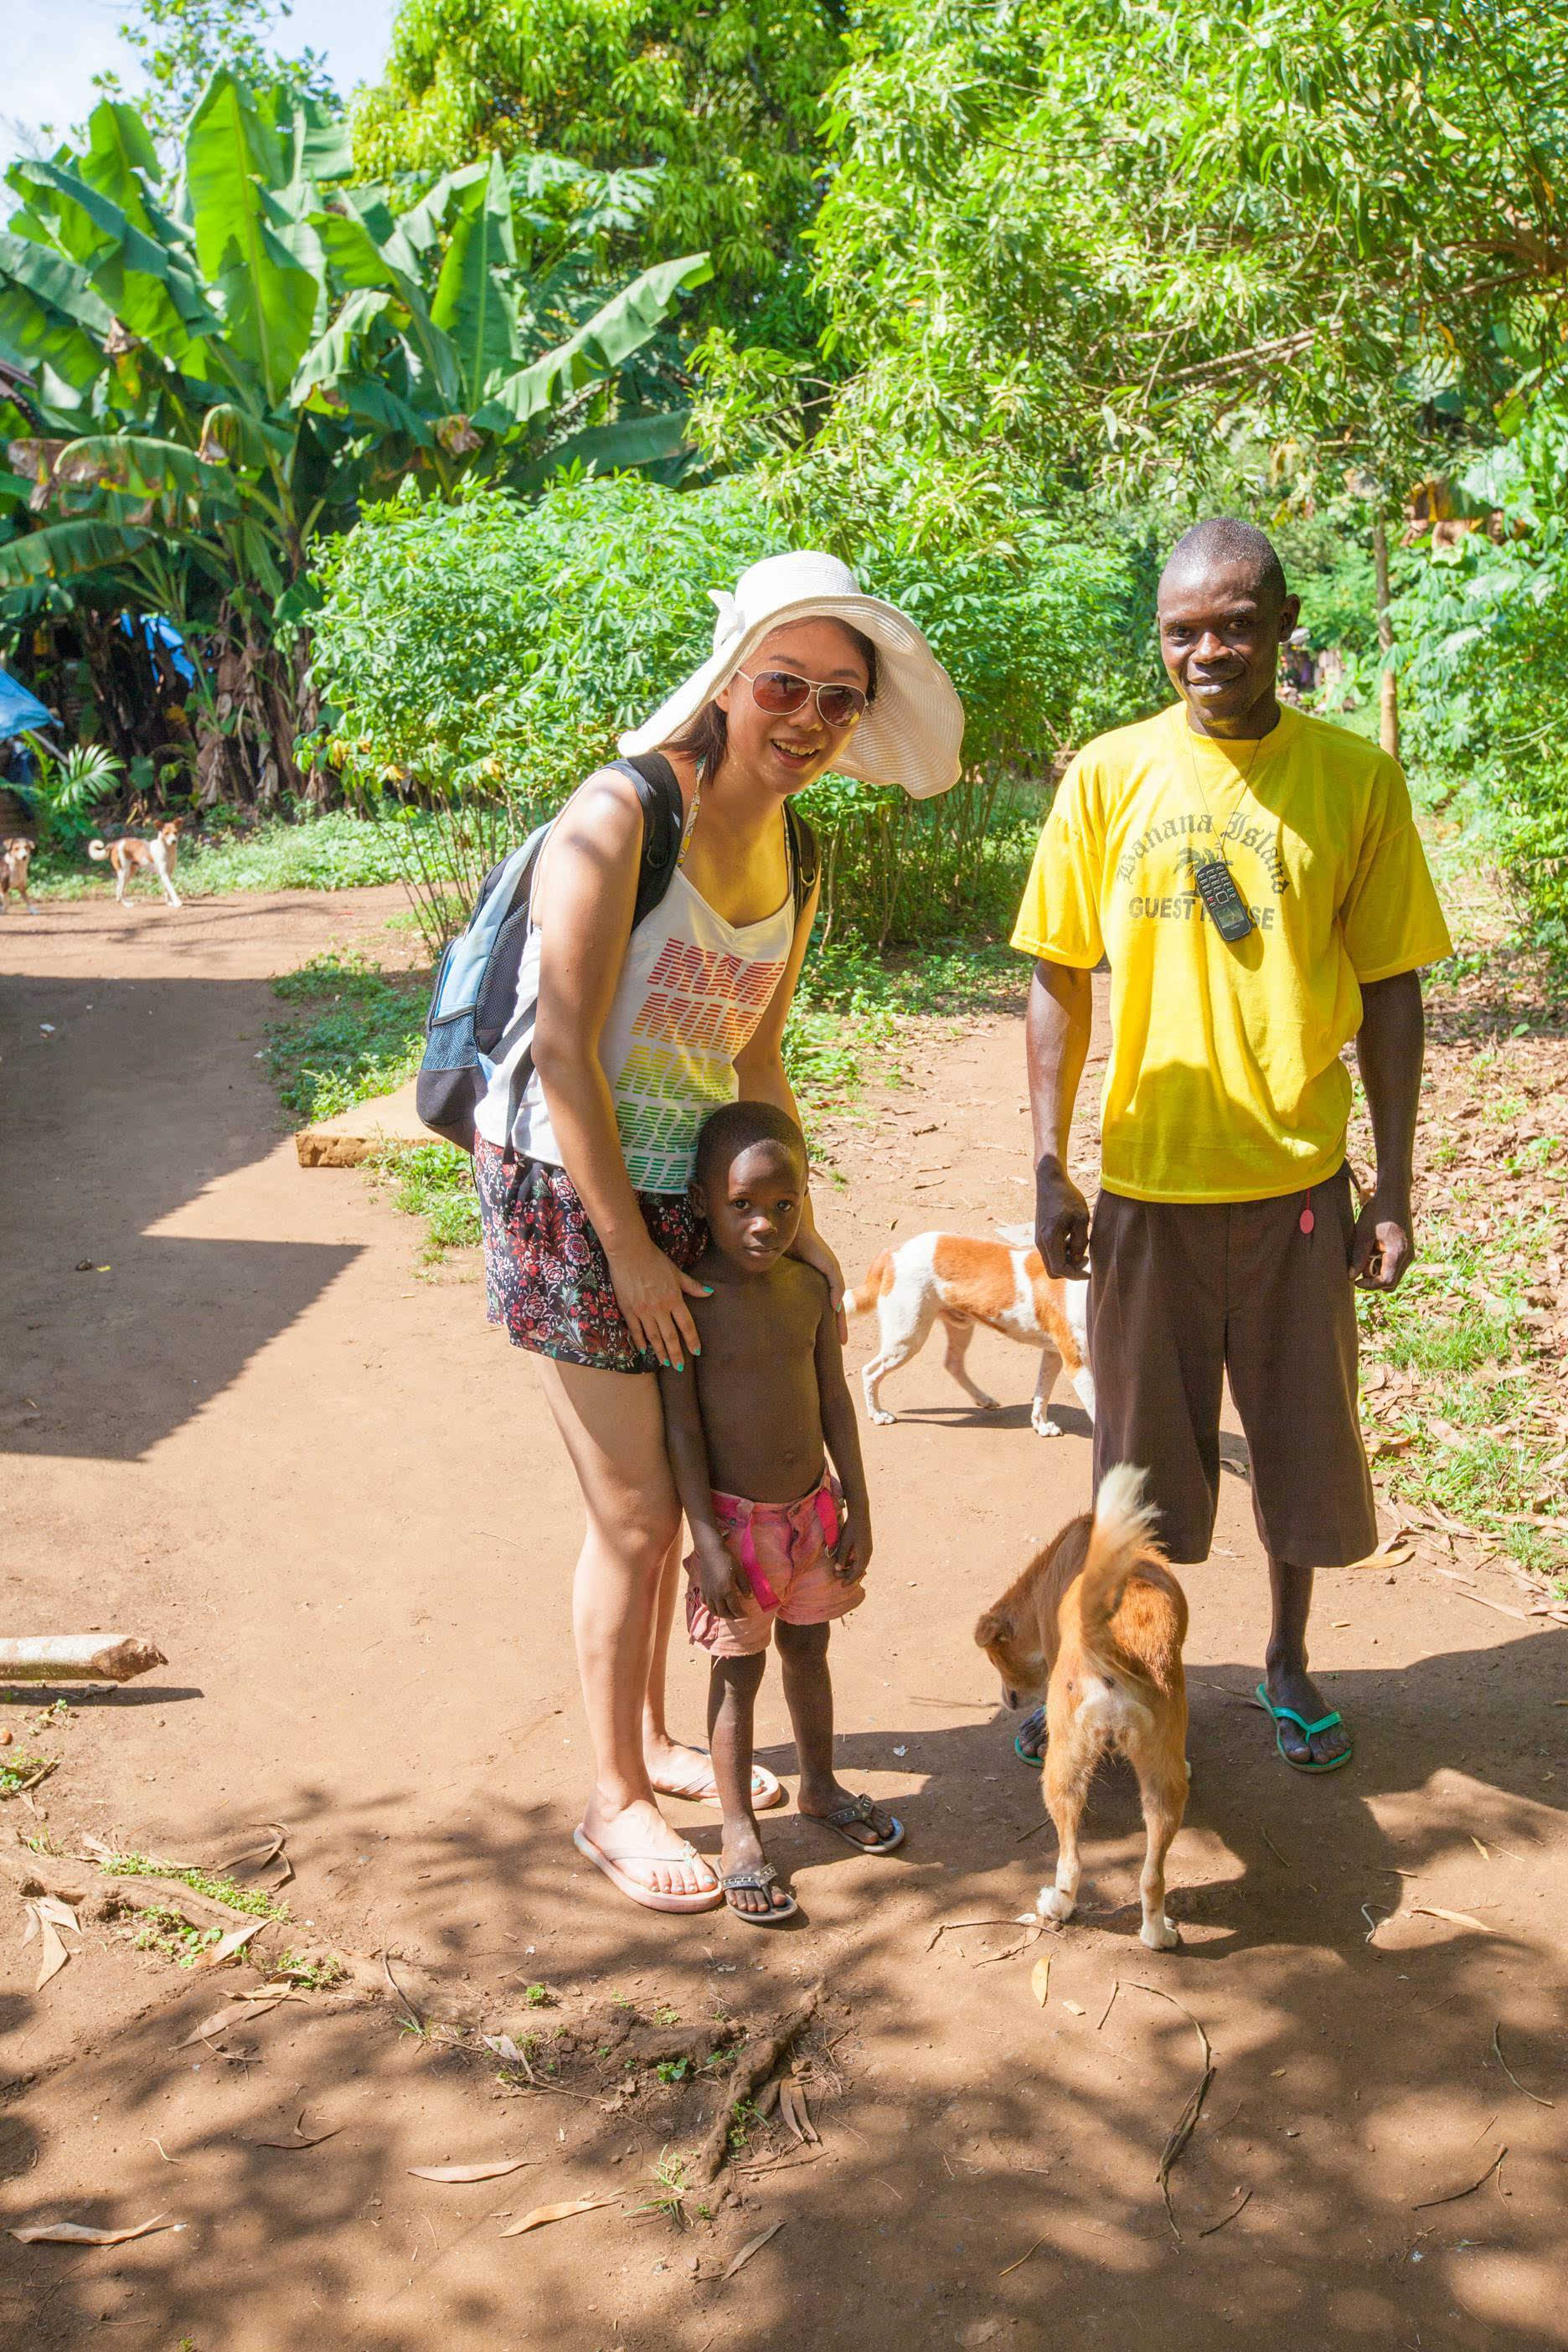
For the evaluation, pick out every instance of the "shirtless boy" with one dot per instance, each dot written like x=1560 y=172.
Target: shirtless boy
x=777 y=1540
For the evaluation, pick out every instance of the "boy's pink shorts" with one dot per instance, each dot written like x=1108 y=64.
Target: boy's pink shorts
x=784 y=1553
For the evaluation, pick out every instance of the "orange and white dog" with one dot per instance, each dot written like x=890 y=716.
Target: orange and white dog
x=15 y=858
x=129 y=855
x=1096 y=1623
x=1003 y=1285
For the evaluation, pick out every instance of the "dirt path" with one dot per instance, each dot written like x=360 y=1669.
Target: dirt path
x=328 y=1491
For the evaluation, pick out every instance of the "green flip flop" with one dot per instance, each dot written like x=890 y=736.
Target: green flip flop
x=1324 y=1723
x=1035 y=1762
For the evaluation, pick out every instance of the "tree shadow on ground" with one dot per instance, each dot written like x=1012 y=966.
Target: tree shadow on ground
x=993 y=2160
x=161 y=1105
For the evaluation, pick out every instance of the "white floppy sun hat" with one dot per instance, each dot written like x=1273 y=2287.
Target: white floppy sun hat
x=911 y=733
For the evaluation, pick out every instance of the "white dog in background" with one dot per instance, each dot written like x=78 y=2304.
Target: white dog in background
x=129 y=855
x=1004 y=1285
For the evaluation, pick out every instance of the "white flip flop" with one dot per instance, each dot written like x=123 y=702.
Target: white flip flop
x=615 y=1868
x=767 y=1790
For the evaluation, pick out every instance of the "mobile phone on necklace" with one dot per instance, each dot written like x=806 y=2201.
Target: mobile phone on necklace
x=1216 y=885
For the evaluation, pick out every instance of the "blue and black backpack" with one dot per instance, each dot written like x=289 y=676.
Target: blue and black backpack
x=475 y=995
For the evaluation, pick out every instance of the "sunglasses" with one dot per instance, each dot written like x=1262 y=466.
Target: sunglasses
x=781 y=693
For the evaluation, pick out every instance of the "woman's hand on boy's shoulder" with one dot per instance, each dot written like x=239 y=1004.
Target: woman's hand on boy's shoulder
x=852 y=1553
x=810 y=1248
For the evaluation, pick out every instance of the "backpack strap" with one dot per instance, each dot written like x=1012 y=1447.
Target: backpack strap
x=663 y=825
x=804 y=860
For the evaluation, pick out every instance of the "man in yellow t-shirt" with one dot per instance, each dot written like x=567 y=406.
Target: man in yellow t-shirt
x=1256 y=880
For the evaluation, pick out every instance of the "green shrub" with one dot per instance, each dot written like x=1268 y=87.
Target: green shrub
x=484 y=656
x=1483 y=632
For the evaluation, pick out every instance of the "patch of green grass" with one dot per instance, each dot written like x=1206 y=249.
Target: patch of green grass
x=335 y=852
x=312 y=1976
x=251 y=1900
x=1423 y=1343
x=17 y=1770
x=743 y=2121
x=358 y=1033
x=436 y=1181
x=173 y=1938
x=670 y=2189
x=538 y=1996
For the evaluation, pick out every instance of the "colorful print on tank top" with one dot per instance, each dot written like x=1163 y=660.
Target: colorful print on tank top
x=700 y=1011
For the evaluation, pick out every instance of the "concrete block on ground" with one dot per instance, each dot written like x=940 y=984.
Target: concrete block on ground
x=354 y=1134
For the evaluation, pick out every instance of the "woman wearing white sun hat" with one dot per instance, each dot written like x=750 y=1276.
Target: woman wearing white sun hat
x=583 y=1171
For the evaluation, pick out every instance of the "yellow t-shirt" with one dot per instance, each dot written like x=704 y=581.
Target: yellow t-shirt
x=1224 y=1081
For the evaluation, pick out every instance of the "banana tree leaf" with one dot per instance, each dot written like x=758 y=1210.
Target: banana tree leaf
x=248 y=443
x=132 y=466
x=67 y=550
x=149 y=288
x=120 y=150
x=335 y=354
x=62 y=285
x=269 y=298
x=365 y=246
x=470 y=306
x=599 y=346
x=615 y=448
x=33 y=338
x=314 y=138
x=423 y=222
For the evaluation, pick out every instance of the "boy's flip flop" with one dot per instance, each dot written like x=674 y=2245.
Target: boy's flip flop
x=759 y=1881
x=859 y=1809
x=697 y=1786
x=1324 y=1723
x=615 y=1868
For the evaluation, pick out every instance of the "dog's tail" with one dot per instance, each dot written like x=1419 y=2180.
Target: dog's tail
x=1123 y=1525
x=879 y=1278
x=97 y=849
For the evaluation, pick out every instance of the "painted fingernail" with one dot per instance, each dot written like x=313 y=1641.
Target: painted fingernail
x=708 y=1290
x=679 y=1365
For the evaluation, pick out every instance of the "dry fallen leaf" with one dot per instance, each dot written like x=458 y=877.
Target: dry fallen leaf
x=752 y=2246
x=1075 y=2008
x=1040 y=1981
x=543 y=2213
x=77 y=2233
x=1455 y=1918
x=505 y=2048
x=454 y=2174
x=223 y=2017
x=226 y=1946
x=46 y=1915
x=1398 y=1549
x=795 y=2113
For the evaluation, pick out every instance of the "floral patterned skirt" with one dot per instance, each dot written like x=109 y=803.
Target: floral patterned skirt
x=547 y=1274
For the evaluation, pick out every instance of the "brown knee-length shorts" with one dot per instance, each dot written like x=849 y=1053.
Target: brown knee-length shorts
x=1182 y=1293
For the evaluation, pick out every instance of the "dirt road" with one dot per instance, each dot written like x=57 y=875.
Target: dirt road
x=250 y=1431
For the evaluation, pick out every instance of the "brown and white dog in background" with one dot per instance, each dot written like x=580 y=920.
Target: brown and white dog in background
x=15 y=855
x=129 y=855
x=1096 y=1623
x=1003 y=1285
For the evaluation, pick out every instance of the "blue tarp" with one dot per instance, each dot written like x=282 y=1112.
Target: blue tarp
x=156 y=630
x=18 y=709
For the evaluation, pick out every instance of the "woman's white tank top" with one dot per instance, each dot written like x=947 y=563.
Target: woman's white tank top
x=692 y=992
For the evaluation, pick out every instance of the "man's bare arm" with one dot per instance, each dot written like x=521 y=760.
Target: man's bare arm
x=1390 y=1049
x=1056 y=1031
